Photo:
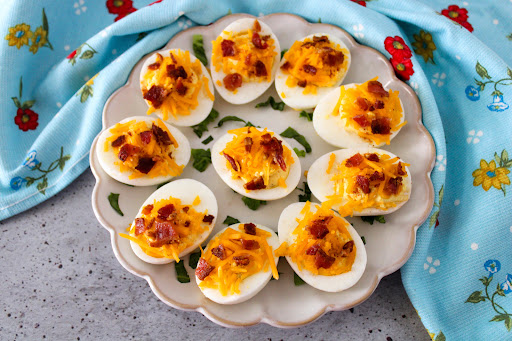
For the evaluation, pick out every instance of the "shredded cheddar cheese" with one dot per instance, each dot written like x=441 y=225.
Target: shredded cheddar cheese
x=227 y=274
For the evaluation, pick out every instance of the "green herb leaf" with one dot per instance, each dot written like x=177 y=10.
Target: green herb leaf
x=297 y=280
x=229 y=119
x=16 y=102
x=200 y=128
x=482 y=72
x=28 y=104
x=283 y=52
x=230 y=220
x=363 y=239
x=249 y=124
x=371 y=219
x=300 y=153
x=198 y=47
x=475 y=297
x=202 y=158
x=181 y=272
x=193 y=259
x=293 y=134
x=160 y=185
x=306 y=196
x=207 y=140
x=87 y=54
x=253 y=204
x=307 y=115
x=272 y=102
x=113 y=199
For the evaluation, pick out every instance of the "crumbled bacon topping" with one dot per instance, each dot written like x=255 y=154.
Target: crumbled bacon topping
x=126 y=151
x=378 y=104
x=257 y=41
x=375 y=87
x=354 y=161
x=347 y=248
x=219 y=252
x=145 y=164
x=312 y=250
x=393 y=185
x=363 y=103
x=273 y=147
x=250 y=228
x=208 y=219
x=372 y=157
x=309 y=69
x=248 y=244
x=255 y=184
x=228 y=48
x=161 y=135
x=156 y=95
x=146 y=136
x=286 y=66
x=321 y=39
x=242 y=260
x=166 y=211
x=256 y=27
x=147 y=209
x=261 y=70
x=381 y=126
x=181 y=89
x=318 y=227
x=176 y=72
x=231 y=161
x=164 y=234
x=362 y=120
x=154 y=66
x=400 y=169
x=119 y=141
x=377 y=176
x=323 y=260
x=203 y=269
x=139 y=226
x=364 y=183
x=248 y=144
x=232 y=81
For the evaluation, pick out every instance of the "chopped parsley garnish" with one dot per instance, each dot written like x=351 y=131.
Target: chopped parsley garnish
x=193 y=259
x=283 y=52
x=293 y=134
x=300 y=153
x=363 y=239
x=113 y=199
x=198 y=47
x=272 y=102
x=230 y=220
x=207 y=140
x=181 y=272
x=307 y=115
x=200 y=128
x=253 y=204
x=371 y=219
x=229 y=119
x=306 y=196
x=297 y=280
x=202 y=158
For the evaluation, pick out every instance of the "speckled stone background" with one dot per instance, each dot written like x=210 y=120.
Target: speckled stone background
x=61 y=281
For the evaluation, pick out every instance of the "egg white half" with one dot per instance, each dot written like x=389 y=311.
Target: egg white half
x=219 y=163
x=321 y=186
x=288 y=223
x=332 y=129
x=248 y=91
x=293 y=97
x=107 y=158
x=252 y=284
x=186 y=190
x=205 y=104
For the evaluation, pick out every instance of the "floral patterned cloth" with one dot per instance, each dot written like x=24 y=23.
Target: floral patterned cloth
x=62 y=60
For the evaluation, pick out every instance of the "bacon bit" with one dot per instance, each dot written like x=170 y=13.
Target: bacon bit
x=242 y=260
x=231 y=161
x=256 y=40
x=309 y=69
x=400 y=170
x=173 y=59
x=126 y=151
x=372 y=157
x=377 y=176
x=164 y=234
x=153 y=66
x=379 y=104
x=119 y=141
x=266 y=37
x=176 y=73
x=248 y=144
x=146 y=136
x=362 y=120
x=187 y=223
x=250 y=228
x=375 y=87
x=318 y=227
x=145 y=164
x=256 y=26
x=155 y=95
x=219 y=252
x=232 y=81
x=274 y=147
x=208 y=219
x=161 y=136
x=261 y=70
x=393 y=185
x=159 y=58
x=255 y=184
x=248 y=59
x=185 y=209
x=286 y=66
x=322 y=39
x=312 y=250
x=333 y=59
x=166 y=211
x=147 y=209
x=347 y=248
x=203 y=269
x=302 y=83
x=323 y=260
x=363 y=103
x=139 y=226
x=381 y=126
x=180 y=88
x=228 y=48
x=248 y=244
x=354 y=161
x=364 y=183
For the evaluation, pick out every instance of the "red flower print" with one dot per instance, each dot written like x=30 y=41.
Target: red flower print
x=403 y=68
x=459 y=15
x=122 y=15
x=397 y=48
x=360 y=2
x=155 y=2
x=71 y=55
x=26 y=119
x=119 y=6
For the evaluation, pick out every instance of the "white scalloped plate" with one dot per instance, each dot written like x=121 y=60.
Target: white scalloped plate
x=280 y=303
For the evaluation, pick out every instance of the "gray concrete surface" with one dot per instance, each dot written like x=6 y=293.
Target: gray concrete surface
x=61 y=281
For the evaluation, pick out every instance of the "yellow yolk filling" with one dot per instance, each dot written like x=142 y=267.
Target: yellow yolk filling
x=331 y=244
x=301 y=54
x=227 y=275
x=188 y=235
x=347 y=108
x=347 y=192
x=165 y=166
x=253 y=164
x=175 y=104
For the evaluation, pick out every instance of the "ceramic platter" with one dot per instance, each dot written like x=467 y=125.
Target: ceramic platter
x=280 y=303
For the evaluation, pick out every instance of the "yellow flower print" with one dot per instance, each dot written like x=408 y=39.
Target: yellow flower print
x=488 y=175
x=19 y=35
x=39 y=38
x=91 y=81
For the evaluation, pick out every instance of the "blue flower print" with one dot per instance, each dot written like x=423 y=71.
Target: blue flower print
x=493 y=266
x=17 y=182
x=507 y=286
x=472 y=93
x=497 y=104
x=31 y=161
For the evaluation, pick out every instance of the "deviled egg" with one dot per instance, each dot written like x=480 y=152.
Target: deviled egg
x=322 y=247
x=177 y=87
x=245 y=58
x=361 y=182
x=237 y=263
x=142 y=151
x=359 y=115
x=173 y=221
x=256 y=163
x=310 y=69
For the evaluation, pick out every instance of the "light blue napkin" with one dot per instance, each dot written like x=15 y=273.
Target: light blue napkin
x=62 y=60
